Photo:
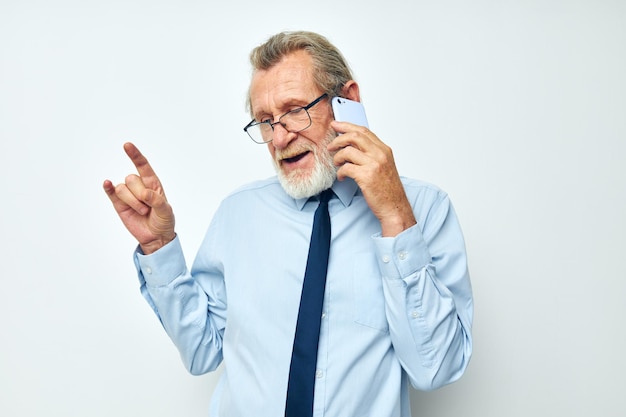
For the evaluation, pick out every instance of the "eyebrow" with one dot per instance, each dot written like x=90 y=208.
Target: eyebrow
x=290 y=103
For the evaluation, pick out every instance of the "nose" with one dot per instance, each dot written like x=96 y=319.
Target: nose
x=282 y=137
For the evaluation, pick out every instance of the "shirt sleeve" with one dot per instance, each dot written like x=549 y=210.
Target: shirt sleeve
x=180 y=303
x=428 y=296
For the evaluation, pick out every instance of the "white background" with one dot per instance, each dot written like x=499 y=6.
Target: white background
x=516 y=108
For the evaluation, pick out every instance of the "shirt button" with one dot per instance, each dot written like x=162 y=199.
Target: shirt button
x=414 y=314
x=148 y=270
x=319 y=374
x=402 y=255
x=386 y=259
x=323 y=315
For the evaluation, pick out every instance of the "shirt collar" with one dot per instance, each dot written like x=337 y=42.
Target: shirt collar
x=344 y=190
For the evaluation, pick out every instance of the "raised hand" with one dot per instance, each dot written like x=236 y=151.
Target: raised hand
x=362 y=156
x=141 y=204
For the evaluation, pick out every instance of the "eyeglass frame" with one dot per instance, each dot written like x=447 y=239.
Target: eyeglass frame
x=271 y=124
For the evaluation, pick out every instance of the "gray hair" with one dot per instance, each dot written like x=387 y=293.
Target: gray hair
x=330 y=69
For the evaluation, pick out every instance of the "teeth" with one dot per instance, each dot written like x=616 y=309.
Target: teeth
x=294 y=157
x=293 y=152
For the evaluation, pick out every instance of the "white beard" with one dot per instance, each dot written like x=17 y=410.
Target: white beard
x=323 y=175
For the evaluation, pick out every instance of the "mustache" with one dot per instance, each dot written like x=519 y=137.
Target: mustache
x=293 y=150
x=298 y=148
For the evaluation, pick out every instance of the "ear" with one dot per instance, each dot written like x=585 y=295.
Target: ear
x=350 y=91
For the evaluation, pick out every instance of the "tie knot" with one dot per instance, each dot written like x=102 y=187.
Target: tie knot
x=326 y=195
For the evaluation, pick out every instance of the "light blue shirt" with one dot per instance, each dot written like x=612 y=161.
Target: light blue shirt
x=397 y=311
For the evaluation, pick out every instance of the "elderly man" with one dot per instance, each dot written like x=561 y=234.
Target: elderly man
x=389 y=302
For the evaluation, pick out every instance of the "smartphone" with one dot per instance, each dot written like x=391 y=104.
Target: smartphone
x=349 y=111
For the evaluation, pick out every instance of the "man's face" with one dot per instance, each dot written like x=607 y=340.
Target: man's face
x=303 y=164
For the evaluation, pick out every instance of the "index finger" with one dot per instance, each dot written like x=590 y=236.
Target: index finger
x=350 y=134
x=141 y=163
x=345 y=127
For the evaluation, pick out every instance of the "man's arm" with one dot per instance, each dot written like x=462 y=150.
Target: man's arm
x=424 y=266
x=428 y=296
x=175 y=296
x=361 y=155
x=191 y=305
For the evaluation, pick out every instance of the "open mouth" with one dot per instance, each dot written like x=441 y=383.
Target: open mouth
x=295 y=158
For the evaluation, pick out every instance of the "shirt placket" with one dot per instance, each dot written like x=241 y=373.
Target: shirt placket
x=319 y=398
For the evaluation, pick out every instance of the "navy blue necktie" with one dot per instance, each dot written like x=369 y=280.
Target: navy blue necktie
x=304 y=356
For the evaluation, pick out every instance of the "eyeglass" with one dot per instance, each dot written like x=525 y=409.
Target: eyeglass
x=293 y=121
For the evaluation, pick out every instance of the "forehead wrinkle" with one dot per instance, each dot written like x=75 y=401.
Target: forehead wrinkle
x=289 y=82
x=278 y=100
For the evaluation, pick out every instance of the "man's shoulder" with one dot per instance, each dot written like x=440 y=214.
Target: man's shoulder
x=248 y=200
x=268 y=187
x=415 y=187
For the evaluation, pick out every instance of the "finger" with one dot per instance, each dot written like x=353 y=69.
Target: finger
x=128 y=198
x=136 y=185
x=356 y=165
x=109 y=189
x=119 y=204
x=342 y=142
x=141 y=163
x=147 y=196
x=159 y=205
x=350 y=154
x=360 y=139
x=345 y=127
x=348 y=170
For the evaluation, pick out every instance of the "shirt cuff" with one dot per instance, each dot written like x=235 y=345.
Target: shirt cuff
x=403 y=255
x=163 y=266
